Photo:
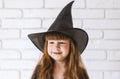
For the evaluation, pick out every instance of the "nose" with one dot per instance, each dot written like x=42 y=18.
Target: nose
x=57 y=45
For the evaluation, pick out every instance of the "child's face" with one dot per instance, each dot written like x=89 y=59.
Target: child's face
x=58 y=49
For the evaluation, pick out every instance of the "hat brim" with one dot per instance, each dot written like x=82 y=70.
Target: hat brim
x=79 y=36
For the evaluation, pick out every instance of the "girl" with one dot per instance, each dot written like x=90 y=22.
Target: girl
x=62 y=46
x=61 y=59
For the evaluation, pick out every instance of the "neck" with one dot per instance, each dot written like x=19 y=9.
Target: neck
x=59 y=64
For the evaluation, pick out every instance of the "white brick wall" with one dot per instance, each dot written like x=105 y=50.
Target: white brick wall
x=23 y=3
x=103 y=4
x=9 y=74
x=18 y=18
x=10 y=13
x=1 y=3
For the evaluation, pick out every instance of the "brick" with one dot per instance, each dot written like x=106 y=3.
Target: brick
x=62 y=3
x=114 y=14
x=9 y=54
x=94 y=55
x=0 y=44
x=9 y=74
x=26 y=74
x=95 y=34
x=102 y=65
x=40 y=13
x=111 y=34
x=24 y=32
x=79 y=4
x=0 y=23
x=23 y=3
x=17 y=44
x=104 y=44
x=101 y=24
x=10 y=13
x=95 y=75
x=112 y=75
x=1 y=3
x=17 y=64
x=77 y=23
x=21 y=23
x=47 y=23
x=114 y=55
x=86 y=13
x=8 y=33
x=31 y=54
x=103 y=3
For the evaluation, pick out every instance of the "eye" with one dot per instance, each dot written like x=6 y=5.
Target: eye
x=62 y=43
x=51 y=42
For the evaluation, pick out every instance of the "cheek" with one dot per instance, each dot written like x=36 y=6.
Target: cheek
x=66 y=49
x=48 y=48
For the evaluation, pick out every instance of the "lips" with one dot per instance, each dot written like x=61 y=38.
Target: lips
x=57 y=52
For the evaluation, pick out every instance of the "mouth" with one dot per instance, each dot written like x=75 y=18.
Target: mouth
x=57 y=52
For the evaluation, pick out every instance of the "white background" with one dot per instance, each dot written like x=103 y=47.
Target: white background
x=18 y=18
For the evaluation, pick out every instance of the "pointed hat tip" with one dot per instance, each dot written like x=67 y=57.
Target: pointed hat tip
x=70 y=3
x=64 y=19
x=68 y=6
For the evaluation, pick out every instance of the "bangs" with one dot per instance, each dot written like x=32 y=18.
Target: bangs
x=56 y=36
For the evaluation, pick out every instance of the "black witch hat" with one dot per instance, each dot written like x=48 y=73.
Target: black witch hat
x=64 y=25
